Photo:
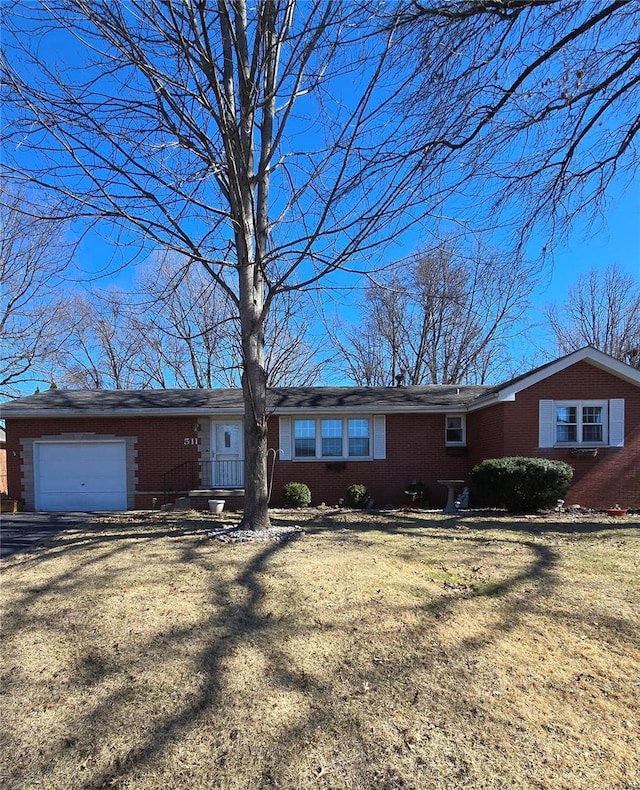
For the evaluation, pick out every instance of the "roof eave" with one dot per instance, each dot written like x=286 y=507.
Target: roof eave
x=487 y=400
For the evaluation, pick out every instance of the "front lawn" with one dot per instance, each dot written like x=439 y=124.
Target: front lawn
x=376 y=651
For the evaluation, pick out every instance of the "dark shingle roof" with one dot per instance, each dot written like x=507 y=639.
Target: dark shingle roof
x=373 y=397
x=60 y=402
x=106 y=401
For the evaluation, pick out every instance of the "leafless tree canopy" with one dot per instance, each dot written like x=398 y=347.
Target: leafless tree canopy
x=601 y=310
x=445 y=316
x=173 y=328
x=257 y=139
x=541 y=99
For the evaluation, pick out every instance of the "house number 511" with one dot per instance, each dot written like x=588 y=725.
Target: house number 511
x=191 y=440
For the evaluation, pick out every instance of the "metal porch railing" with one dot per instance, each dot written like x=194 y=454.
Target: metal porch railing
x=199 y=475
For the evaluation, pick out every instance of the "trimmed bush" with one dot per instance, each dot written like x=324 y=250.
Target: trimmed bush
x=357 y=496
x=297 y=495
x=521 y=484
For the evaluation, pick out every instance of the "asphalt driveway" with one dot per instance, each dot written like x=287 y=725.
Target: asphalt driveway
x=23 y=531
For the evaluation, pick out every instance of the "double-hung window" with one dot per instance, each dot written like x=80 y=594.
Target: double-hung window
x=455 y=430
x=331 y=433
x=581 y=423
x=304 y=439
x=332 y=437
x=359 y=438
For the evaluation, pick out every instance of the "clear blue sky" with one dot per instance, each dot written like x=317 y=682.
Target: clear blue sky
x=592 y=245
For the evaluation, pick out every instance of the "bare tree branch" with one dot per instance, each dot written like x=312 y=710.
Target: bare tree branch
x=541 y=99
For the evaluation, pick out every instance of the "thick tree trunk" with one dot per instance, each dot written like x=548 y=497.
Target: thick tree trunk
x=256 y=506
x=254 y=390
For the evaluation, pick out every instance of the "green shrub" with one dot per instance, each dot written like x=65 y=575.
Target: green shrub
x=521 y=484
x=297 y=495
x=357 y=496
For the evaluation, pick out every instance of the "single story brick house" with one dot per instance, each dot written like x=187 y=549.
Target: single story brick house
x=126 y=449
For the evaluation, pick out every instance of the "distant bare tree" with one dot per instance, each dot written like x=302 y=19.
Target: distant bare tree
x=601 y=310
x=101 y=348
x=191 y=331
x=190 y=326
x=293 y=358
x=442 y=317
x=174 y=328
x=33 y=260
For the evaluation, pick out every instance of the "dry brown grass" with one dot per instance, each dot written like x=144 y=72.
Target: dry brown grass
x=376 y=651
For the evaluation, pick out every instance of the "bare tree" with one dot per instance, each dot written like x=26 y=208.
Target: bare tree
x=257 y=139
x=192 y=337
x=33 y=260
x=293 y=357
x=540 y=99
x=601 y=310
x=173 y=328
x=442 y=317
x=189 y=325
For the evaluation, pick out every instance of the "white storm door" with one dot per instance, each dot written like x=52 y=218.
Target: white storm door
x=227 y=455
x=80 y=476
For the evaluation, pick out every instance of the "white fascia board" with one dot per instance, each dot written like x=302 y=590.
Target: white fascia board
x=209 y=411
x=490 y=400
x=611 y=365
x=591 y=355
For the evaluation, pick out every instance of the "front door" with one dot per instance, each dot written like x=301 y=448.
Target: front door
x=227 y=455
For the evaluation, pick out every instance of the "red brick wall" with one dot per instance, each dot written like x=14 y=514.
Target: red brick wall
x=160 y=445
x=415 y=451
x=613 y=476
x=511 y=428
x=485 y=433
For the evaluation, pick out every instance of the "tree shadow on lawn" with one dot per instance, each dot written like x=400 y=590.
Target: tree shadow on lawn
x=238 y=622
x=97 y=531
x=94 y=543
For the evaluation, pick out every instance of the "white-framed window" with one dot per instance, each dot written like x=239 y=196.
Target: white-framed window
x=455 y=431
x=332 y=437
x=304 y=438
x=581 y=423
x=588 y=423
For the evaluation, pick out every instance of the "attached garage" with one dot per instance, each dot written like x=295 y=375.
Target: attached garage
x=80 y=475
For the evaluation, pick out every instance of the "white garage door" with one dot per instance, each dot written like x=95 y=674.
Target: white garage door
x=80 y=476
